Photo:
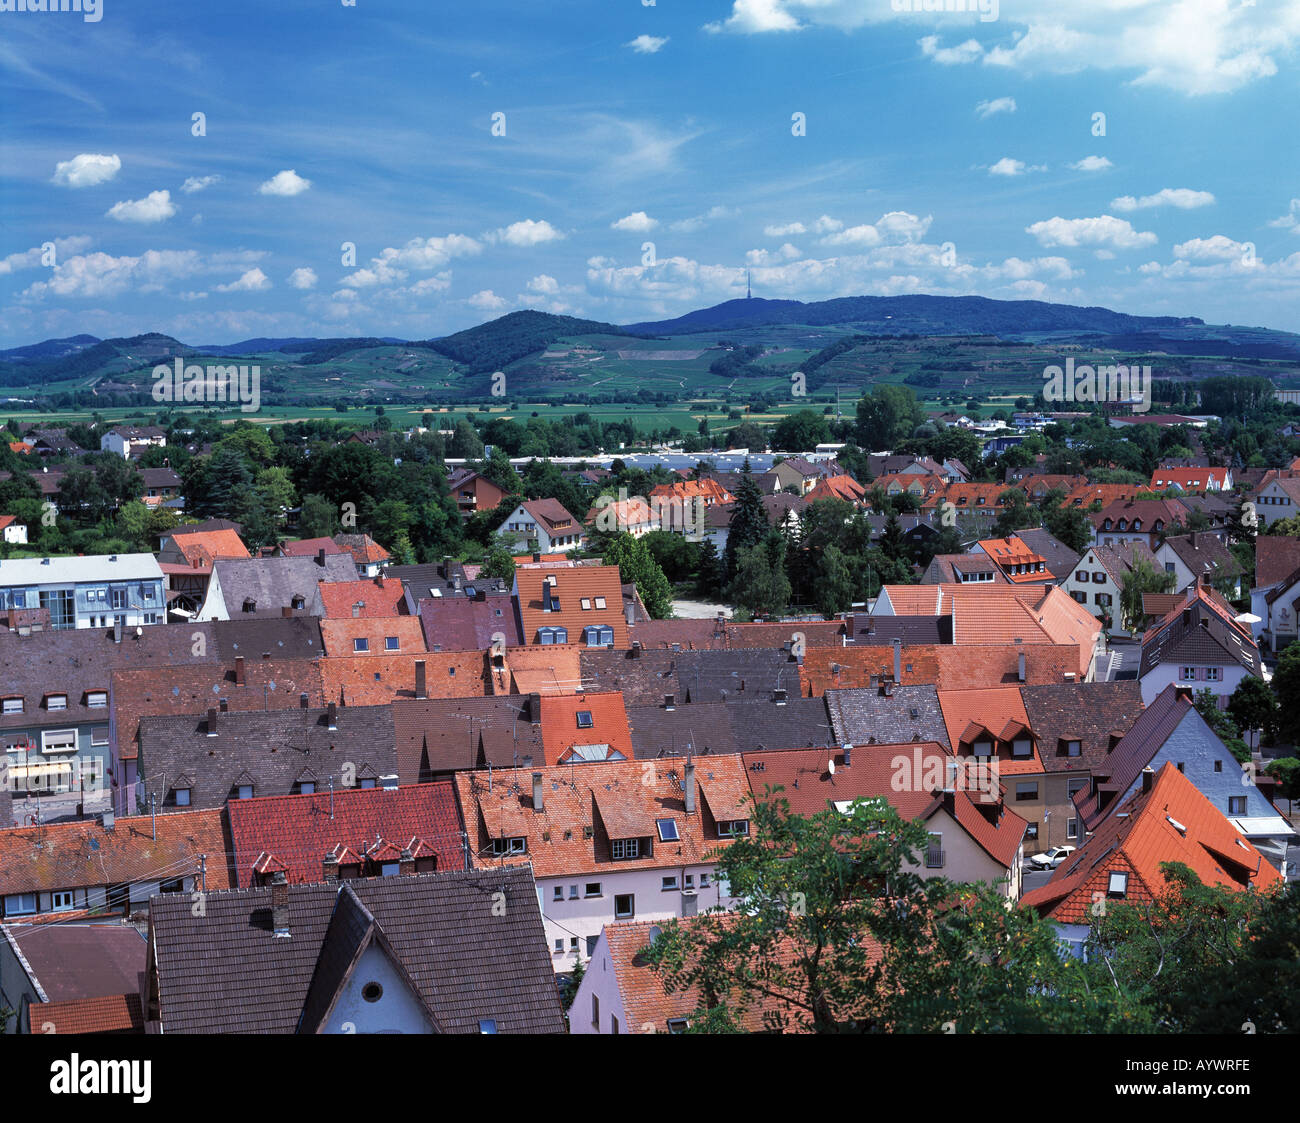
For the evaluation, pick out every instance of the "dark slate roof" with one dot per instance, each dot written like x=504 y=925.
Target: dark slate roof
x=437 y=736
x=702 y=727
x=467 y=959
x=272 y=583
x=875 y=631
x=1089 y=713
x=693 y=676
x=867 y=715
x=71 y=961
x=293 y=637
x=1124 y=765
x=1198 y=635
x=801 y=723
x=271 y=749
x=1204 y=555
x=461 y=624
x=1060 y=559
x=420 y=580
x=688 y=634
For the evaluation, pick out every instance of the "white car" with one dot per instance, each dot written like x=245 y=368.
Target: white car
x=1050 y=859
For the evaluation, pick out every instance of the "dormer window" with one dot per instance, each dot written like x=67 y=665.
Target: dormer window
x=245 y=791
x=56 y=701
x=733 y=828
x=182 y=796
x=1021 y=747
x=1137 y=524
x=250 y=605
x=306 y=787
x=13 y=706
x=97 y=699
x=1073 y=748
x=298 y=602
x=982 y=748
x=621 y=849
x=501 y=847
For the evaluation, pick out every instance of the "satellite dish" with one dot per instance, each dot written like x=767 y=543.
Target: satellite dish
x=830 y=767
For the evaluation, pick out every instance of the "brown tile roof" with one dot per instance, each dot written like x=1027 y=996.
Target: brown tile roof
x=1173 y=822
x=438 y=736
x=1277 y=557
x=66 y=962
x=945 y=666
x=604 y=730
x=1096 y=714
x=311 y=547
x=84 y=853
x=551 y=514
x=364 y=549
x=690 y=635
x=465 y=624
x=377 y=680
x=294 y=833
x=114 y=1013
x=615 y=800
x=571 y=587
x=268 y=684
x=466 y=962
x=375 y=596
x=340 y=635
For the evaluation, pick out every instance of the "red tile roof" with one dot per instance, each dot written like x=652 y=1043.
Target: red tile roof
x=376 y=596
x=203 y=548
x=608 y=727
x=339 y=636
x=293 y=833
x=1173 y=822
x=376 y=680
x=115 y=1013
x=571 y=587
x=996 y=714
x=838 y=487
x=311 y=547
x=943 y=665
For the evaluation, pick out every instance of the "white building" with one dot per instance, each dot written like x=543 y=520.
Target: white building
x=87 y=592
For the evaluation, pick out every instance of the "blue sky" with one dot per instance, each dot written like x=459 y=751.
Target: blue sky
x=943 y=152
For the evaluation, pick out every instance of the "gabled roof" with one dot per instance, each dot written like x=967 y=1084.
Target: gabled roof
x=68 y=963
x=114 y=1013
x=1277 y=557
x=437 y=736
x=810 y=786
x=603 y=731
x=364 y=549
x=1151 y=513
x=1060 y=559
x=84 y=853
x=997 y=714
x=272 y=584
x=551 y=514
x=1093 y=713
x=570 y=587
x=620 y=799
x=202 y=549
x=837 y=487
x=374 y=596
x=378 y=679
x=703 y=728
x=904 y=715
x=1173 y=822
x=464 y=624
x=299 y=830
x=340 y=636
x=465 y=961
x=692 y=676
x=1199 y=631
x=1120 y=560
x=311 y=547
x=1204 y=555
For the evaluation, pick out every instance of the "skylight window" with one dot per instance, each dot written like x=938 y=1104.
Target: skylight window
x=584 y=719
x=667 y=830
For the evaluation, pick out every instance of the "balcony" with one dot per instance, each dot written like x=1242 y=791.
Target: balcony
x=934 y=858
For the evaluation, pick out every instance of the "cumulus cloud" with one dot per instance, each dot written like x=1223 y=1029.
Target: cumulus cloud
x=1091 y=164
x=439 y=282
x=252 y=280
x=420 y=255
x=771 y=257
x=1290 y=220
x=102 y=275
x=638 y=222
x=525 y=233
x=285 y=183
x=965 y=52
x=1008 y=166
x=1104 y=230
x=1217 y=248
x=86 y=170
x=157 y=206
x=487 y=301
x=827 y=225
x=997 y=105
x=544 y=284
x=647 y=44
x=198 y=183
x=700 y=221
x=1182 y=197
x=784 y=231
x=896 y=226
x=751 y=16
x=31 y=259
x=303 y=278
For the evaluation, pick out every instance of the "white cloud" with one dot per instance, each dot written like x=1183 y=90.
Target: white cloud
x=487 y=301
x=1182 y=197
x=647 y=44
x=1008 y=166
x=1092 y=164
x=772 y=257
x=526 y=233
x=198 y=183
x=750 y=16
x=968 y=51
x=1290 y=220
x=784 y=231
x=86 y=170
x=997 y=105
x=157 y=206
x=638 y=222
x=699 y=221
x=31 y=259
x=544 y=284
x=419 y=254
x=894 y=227
x=439 y=282
x=102 y=275
x=253 y=280
x=827 y=225
x=303 y=278
x=1216 y=248
x=1105 y=230
x=285 y=183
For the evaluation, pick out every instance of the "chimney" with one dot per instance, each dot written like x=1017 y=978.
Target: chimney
x=302 y=700
x=332 y=716
x=630 y=613
x=108 y=820
x=848 y=756
x=636 y=649
x=286 y=610
x=1020 y=666
x=406 y=862
x=1183 y=692
x=212 y=721
x=539 y=802
x=421 y=690
x=670 y=701
x=1148 y=778
x=356 y=608
x=320 y=557
x=331 y=867
x=117 y=631
x=446 y=567
x=379 y=580
x=688 y=786
x=534 y=708
x=280 y=906
x=239 y=670
x=898 y=659
x=537 y=557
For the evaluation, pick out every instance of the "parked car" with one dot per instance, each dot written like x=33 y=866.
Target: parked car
x=1050 y=859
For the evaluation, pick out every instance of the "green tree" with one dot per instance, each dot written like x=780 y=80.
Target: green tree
x=500 y=564
x=1225 y=728
x=1143 y=578
x=319 y=517
x=760 y=584
x=834 y=583
x=886 y=417
x=1016 y=513
x=636 y=564
x=748 y=523
x=1253 y=706
x=800 y=431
